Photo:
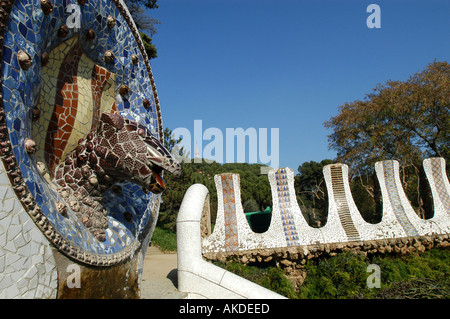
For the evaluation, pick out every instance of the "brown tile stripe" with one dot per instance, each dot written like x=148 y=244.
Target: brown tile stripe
x=65 y=109
x=229 y=210
x=100 y=77
x=337 y=183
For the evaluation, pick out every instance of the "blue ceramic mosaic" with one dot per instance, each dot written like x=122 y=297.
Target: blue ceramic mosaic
x=29 y=30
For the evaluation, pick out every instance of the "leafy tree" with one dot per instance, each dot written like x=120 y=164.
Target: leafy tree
x=366 y=203
x=170 y=142
x=144 y=23
x=172 y=197
x=176 y=187
x=250 y=205
x=311 y=191
x=149 y=4
x=255 y=188
x=406 y=121
x=149 y=47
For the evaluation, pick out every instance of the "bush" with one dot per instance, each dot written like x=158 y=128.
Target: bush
x=272 y=278
x=342 y=276
x=419 y=275
x=250 y=205
x=164 y=239
x=277 y=281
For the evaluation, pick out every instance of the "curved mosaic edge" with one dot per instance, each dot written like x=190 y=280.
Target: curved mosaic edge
x=412 y=224
x=120 y=4
x=440 y=190
x=345 y=224
x=21 y=189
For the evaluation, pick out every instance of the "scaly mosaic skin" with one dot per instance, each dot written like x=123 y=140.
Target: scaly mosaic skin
x=120 y=149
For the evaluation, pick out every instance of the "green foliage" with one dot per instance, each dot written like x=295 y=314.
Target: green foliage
x=276 y=280
x=311 y=190
x=433 y=264
x=364 y=201
x=150 y=4
x=150 y=49
x=404 y=121
x=342 y=276
x=164 y=239
x=255 y=188
x=250 y=205
x=169 y=140
x=144 y=22
x=414 y=276
x=272 y=278
x=420 y=288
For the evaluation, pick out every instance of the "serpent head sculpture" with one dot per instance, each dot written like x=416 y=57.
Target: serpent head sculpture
x=119 y=149
x=127 y=150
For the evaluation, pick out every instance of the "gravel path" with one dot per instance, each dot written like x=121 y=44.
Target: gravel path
x=159 y=277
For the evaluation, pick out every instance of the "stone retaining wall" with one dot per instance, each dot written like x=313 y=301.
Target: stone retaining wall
x=293 y=259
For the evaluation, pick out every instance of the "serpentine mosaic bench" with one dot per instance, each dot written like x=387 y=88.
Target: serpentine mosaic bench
x=80 y=143
x=289 y=231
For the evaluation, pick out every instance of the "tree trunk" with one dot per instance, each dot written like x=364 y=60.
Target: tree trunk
x=425 y=194
x=377 y=198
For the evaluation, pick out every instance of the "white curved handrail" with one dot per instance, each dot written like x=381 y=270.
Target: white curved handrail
x=197 y=277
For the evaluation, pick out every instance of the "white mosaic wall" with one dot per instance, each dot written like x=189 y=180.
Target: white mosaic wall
x=278 y=226
x=247 y=239
x=27 y=266
x=332 y=231
x=396 y=203
x=197 y=277
x=440 y=189
x=344 y=224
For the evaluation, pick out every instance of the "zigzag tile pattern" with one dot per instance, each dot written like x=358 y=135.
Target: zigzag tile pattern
x=287 y=218
x=65 y=109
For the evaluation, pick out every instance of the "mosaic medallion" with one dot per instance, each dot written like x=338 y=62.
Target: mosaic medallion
x=60 y=72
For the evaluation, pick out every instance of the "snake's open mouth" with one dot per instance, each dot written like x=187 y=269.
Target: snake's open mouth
x=155 y=182
x=133 y=153
x=156 y=165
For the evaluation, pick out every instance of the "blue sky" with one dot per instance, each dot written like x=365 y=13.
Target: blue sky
x=286 y=64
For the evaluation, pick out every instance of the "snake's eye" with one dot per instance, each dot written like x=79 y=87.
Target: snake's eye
x=153 y=152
